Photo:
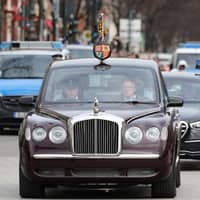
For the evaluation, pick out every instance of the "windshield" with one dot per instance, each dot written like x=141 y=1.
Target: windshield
x=189 y=58
x=187 y=89
x=81 y=53
x=24 y=66
x=108 y=85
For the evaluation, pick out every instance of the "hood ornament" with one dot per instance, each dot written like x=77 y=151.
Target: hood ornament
x=96 y=108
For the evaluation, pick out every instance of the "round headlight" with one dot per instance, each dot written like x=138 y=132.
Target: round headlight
x=153 y=134
x=164 y=133
x=134 y=135
x=39 y=134
x=57 y=135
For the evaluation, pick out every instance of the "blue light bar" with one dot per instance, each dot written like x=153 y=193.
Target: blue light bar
x=190 y=45
x=57 y=45
x=5 y=45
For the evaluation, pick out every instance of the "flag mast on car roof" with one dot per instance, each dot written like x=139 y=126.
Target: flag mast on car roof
x=101 y=49
x=101 y=27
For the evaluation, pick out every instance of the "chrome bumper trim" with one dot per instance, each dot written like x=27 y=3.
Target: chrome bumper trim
x=69 y=156
x=191 y=152
x=192 y=141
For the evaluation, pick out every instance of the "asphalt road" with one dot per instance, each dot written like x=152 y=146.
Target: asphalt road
x=189 y=189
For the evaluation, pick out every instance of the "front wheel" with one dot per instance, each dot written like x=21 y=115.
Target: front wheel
x=28 y=189
x=165 y=188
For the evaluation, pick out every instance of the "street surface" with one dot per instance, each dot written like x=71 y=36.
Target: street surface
x=189 y=189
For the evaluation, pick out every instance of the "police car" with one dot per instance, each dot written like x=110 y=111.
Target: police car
x=22 y=68
x=83 y=132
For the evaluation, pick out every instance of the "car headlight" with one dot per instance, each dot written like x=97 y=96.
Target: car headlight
x=195 y=125
x=134 y=135
x=153 y=134
x=57 y=135
x=39 y=134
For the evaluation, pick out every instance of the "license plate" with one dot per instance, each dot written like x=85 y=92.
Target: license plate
x=19 y=114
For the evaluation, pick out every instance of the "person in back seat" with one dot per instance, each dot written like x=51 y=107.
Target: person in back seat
x=71 y=90
x=128 y=90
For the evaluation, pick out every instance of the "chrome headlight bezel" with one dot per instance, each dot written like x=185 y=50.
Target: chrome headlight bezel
x=57 y=135
x=153 y=134
x=195 y=125
x=134 y=135
x=39 y=134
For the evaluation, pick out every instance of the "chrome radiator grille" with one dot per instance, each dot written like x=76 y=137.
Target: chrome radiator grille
x=96 y=136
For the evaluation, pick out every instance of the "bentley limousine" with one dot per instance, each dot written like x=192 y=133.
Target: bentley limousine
x=97 y=123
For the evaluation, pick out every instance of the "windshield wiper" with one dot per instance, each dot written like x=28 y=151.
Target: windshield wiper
x=138 y=102
x=19 y=77
x=34 y=77
x=132 y=102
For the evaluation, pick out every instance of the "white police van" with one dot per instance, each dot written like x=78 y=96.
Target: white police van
x=189 y=52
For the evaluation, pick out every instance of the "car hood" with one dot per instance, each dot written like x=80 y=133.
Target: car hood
x=125 y=111
x=190 y=112
x=19 y=87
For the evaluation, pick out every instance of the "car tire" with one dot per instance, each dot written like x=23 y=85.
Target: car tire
x=165 y=188
x=28 y=189
x=178 y=174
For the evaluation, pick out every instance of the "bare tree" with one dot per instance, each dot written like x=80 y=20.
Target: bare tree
x=165 y=22
x=1 y=18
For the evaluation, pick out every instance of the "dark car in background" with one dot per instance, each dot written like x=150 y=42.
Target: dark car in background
x=186 y=85
x=99 y=139
x=22 y=68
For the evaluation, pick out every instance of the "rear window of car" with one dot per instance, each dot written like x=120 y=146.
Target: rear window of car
x=81 y=53
x=189 y=58
x=187 y=89
x=24 y=66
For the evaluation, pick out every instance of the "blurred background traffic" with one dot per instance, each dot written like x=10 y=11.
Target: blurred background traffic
x=34 y=33
x=135 y=28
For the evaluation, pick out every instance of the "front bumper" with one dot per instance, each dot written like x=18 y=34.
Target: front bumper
x=190 y=144
x=10 y=124
x=65 y=169
x=190 y=149
x=10 y=120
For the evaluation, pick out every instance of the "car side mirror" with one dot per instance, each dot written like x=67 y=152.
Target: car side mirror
x=27 y=100
x=175 y=102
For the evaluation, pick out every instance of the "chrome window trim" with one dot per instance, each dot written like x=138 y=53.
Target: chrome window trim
x=90 y=116
x=122 y=156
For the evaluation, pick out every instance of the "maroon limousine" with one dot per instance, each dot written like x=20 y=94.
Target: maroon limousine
x=107 y=123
